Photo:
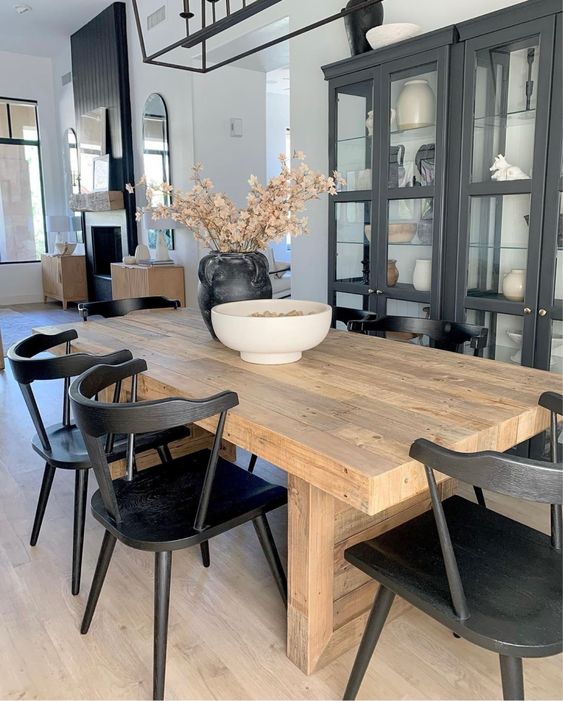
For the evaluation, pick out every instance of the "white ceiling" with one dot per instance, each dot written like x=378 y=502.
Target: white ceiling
x=44 y=30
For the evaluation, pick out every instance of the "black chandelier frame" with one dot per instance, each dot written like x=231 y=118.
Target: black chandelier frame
x=216 y=26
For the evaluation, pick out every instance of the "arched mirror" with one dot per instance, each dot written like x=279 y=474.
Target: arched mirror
x=72 y=177
x=156 y=154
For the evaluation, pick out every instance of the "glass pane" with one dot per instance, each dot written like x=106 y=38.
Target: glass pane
x=355 y=121
x=24 y=122
x=506 y=79
x=409 y=244
x=498 y=247
x=353 y=241
x=22 y=233
x=4 y=124
x=505 y=335
x=351 y=301
x=556 y=346
x=413 y=131
x=559 y=259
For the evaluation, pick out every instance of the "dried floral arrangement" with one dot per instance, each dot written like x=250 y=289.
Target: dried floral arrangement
x=273 y=210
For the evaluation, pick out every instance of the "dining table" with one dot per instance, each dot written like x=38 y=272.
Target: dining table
x=340 y=423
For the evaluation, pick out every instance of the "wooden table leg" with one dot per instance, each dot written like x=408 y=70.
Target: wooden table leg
x=310 y=573
x=329 y=600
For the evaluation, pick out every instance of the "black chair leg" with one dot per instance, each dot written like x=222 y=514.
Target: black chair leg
x=376 y=621
x=104 y=558
x=262 y=528
x=80 y=495
x=48 y=475
x=205 y=556
x=512 y=676
x=163 y=565
x=252 y=462
x=480 y=496
x=164 y=454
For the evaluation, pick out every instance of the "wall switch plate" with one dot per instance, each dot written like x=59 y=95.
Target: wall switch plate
x=236 y=128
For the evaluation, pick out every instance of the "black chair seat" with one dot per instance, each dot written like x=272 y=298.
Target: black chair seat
x=68 y=450
x=158 y=509
x=512 y=577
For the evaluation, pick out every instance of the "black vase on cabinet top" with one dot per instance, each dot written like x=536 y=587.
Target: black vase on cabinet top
x=359 y=23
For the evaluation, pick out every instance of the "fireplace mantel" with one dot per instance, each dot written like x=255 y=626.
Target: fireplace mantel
x=97 y=201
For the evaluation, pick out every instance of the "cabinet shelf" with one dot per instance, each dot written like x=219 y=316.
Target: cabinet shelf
x=423 y=134
x=354 y=138
x=420 y=245
x=498 y=248
x=515 y=118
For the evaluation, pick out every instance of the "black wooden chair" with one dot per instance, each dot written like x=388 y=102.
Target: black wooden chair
x=445 y=335
x=121 y=307
x=61 y=445
x=487 y=578
x=170 y=507
x=553 y=402
x=345 y=315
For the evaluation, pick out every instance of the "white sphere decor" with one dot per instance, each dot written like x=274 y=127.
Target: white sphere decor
x=392 y=33
x=256 y=330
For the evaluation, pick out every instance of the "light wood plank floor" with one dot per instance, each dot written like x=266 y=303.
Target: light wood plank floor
x=227 y=625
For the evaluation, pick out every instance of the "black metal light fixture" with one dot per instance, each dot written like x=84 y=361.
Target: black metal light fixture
x=216 y=16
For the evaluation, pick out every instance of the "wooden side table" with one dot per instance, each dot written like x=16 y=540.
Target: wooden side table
x=145 y=281
x=64 y=278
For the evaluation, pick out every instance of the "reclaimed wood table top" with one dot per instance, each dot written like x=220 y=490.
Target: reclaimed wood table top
x=344 y=417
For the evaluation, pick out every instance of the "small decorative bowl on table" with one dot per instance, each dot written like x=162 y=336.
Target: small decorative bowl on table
x=271 y=331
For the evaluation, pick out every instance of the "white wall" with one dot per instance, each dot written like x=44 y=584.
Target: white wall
x=309 y=108
x=278 y=119
x=31 y=78
x=229 y=161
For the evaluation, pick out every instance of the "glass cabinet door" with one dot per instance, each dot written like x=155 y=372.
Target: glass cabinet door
x=506 y=92
x=351 y=253
x=411 y=184
x=354 y=126
x=353 y=242
x=504 y=144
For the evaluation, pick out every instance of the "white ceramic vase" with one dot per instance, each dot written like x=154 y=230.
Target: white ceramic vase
x=416 y=106
x=161 y=247
x=142 y=253
x=422 y=275
x=514 y=285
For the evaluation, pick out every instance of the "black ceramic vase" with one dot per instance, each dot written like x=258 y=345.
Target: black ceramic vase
x=359 y=23
x=231 y=277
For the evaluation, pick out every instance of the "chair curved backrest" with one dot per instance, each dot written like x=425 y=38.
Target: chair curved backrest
x=98 y=419
x=122 y=307
x=345 y=315
x=533 y=480
x=445 y=335
x=27 y=369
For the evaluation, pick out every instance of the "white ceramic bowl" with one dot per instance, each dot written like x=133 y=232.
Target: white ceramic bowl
x=271 y=340
x=386 y=34
x=65 y=249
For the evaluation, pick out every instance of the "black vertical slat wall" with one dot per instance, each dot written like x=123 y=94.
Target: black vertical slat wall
x=100 y=71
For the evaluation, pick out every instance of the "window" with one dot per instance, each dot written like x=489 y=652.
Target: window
x=22 y=220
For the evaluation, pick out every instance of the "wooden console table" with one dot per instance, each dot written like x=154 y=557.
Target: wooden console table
x=64 y=278
x=146 y=281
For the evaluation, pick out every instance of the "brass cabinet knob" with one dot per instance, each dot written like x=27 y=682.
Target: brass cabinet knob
x=542 y=312
x=527 y=310
x=371 y=292
x=379 y=292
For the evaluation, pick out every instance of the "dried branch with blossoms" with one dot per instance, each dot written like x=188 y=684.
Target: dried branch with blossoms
x=273 y=210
